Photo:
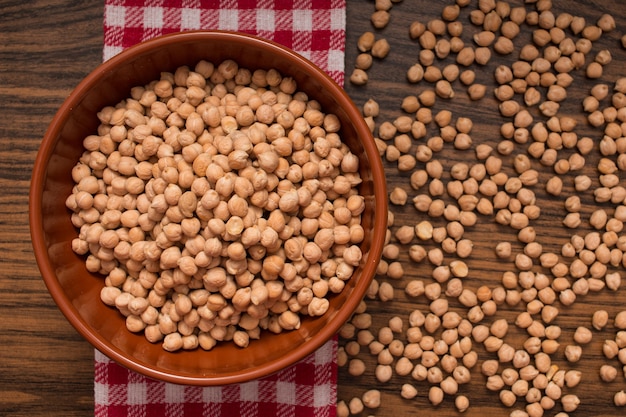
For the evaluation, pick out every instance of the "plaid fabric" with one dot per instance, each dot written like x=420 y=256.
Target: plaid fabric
x=308 y=388
x=316 y=30
x=313 y=28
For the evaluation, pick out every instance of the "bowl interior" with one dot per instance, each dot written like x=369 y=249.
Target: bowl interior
x=76 y=291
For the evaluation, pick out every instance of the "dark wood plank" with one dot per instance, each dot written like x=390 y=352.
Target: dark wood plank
x=46 y=47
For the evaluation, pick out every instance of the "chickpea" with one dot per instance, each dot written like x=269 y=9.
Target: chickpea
x=371 y=398
x=619 y=399
x=570 y=402
x=408 y=391
x=435 y=395
x=599 y=319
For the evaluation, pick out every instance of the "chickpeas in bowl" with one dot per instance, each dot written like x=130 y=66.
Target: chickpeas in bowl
x=208 y=202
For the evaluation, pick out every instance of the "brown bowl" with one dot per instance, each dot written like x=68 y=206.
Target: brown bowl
x=76 y=291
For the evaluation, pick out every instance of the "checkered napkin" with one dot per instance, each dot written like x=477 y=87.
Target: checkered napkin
x=313 y=28
x=306 y=389
x=316 y=30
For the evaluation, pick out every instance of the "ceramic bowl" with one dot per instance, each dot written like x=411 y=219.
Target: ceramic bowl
x=77 y=291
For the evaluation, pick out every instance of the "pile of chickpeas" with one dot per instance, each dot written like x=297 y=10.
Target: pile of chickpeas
x=217 y=202
x=503 y=337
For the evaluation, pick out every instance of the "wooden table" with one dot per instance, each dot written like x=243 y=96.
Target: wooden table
x=48 y=46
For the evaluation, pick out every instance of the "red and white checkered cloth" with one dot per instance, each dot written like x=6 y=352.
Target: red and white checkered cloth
x=306 y=389
x=316 y=30
x=313 y=28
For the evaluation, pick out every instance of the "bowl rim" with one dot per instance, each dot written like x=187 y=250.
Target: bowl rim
x=46 y=268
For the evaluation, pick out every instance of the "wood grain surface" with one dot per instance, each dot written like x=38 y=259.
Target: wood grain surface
x=48 y=46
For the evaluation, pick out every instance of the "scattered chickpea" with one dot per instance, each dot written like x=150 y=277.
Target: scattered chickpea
x=620 y=320
x=398 y=196
x=380 y=48
x=380 y=18
x=461 y=402
x=594 y=70
x=599 y=319
x=366 y=41
x=342 y=409
x=355 y=405
x=408 y=391
x=359 y=76
x=608 y=373
x=570 y=402
x=371 y=399
x=435 y=395
x=363 y=61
